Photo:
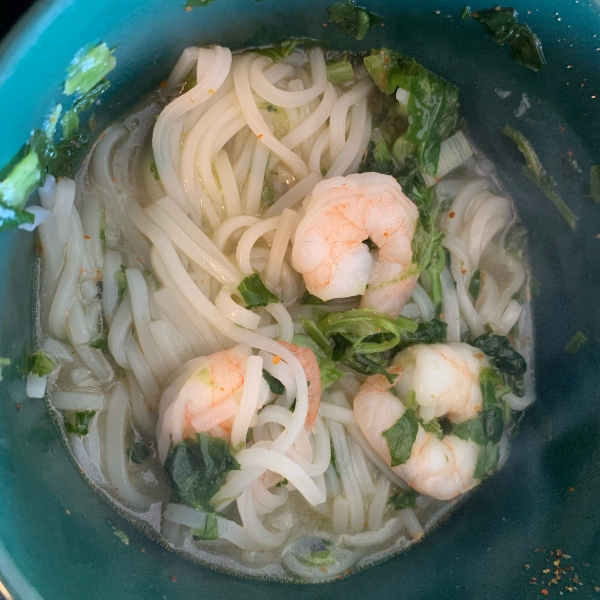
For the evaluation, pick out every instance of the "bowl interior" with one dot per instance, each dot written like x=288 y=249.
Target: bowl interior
x=57 y=536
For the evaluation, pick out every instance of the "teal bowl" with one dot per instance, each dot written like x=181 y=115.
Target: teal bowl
x=57 y=537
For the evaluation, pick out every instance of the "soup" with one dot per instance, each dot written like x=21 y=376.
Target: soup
x=285 y=308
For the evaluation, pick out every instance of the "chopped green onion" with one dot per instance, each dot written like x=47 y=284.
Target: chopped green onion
x=595 y=183
x=340 y=71
x=89 y=67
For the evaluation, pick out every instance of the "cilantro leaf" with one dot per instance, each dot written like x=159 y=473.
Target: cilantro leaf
x=401 y=437
x=90 y=65
x=353 y=20
x=197 y=468
x=403 y=499
x=121 y=283
x=255 y=292
x=475 y=285
x=100 y=343
x=81 y=424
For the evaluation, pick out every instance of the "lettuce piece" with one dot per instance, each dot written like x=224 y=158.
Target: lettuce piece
x=90 y=65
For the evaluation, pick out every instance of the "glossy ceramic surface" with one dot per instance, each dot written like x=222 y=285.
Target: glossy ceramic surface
x=56 y=541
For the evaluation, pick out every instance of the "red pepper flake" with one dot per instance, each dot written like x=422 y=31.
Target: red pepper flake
x=561 y=128
x=597 y=589
x=545 y=571
x=188 y=8
x=527 y=566
x=18 y=406
x=259 y=136
x=452 y=214
x=463 y=271
x=544 y=592
x=533 y=581
x=570 y=489
x=324 y=25
x=86 y=237
x=143 y=550
x=173 y=579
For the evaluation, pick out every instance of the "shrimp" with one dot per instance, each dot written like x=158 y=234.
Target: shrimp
x=329 y=243
x=307 y=359
x=442 y=469
x=204 y=396
x=445 y=379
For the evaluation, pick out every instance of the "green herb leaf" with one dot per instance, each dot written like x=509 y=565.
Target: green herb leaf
x=308 y=298
x=282 y=483
x=211 y=528
x=403 y=499
x=465 y=13
x=401 y=437
x=470 y=430
x=501 y=24
x=504 y=359
x=433 y=426
x=197 y=3
x=255 y=293
x=38 y=363
x=90 y=65
x=595 y=183
x=487 y=460
x=197 y=468
x=329 y=372
x=576 y=343
x=101 y=343
x=139 y=452
x=353 y=20
x=475 y=285
x=23 y=179
x=538 y=175
x=80 y=425
x=334 y=461
x=4 y=362
x=274 y=384
x=121 y=283
x=430 y=332
x=340 y=71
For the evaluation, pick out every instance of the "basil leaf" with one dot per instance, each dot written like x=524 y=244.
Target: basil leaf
x=403 y=499
x=501 y=24
x=255 y=293
x=38 y=363
x=81 y=424
x=487 y=460
x=401 y=437
x=353 y=20
x=211 y=529
x=308 y=298
x=577 y=342
x=197 y=468
x=274 y=384
x=539 y=176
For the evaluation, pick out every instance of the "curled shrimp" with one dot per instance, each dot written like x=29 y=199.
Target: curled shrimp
x=442 y=469
x=329 y=244
x=204 y=396
x=445 y=379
